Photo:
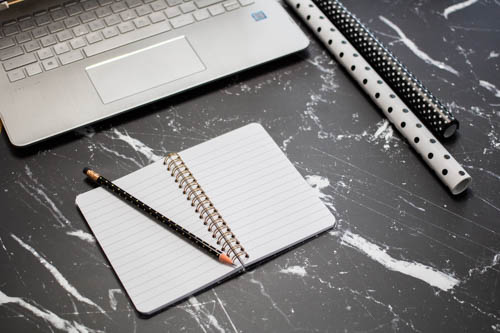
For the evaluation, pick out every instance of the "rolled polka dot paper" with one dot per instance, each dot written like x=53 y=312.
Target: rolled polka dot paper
x=394 y=108
x=428 y=108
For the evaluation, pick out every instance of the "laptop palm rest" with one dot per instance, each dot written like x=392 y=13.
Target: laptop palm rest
x=144 y=69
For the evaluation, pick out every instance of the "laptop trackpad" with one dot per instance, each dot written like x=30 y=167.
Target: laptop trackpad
x=144 y=69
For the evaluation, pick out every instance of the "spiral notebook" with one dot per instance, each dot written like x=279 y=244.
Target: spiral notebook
x=238 y=192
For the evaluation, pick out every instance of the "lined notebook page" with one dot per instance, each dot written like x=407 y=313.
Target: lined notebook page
x=155 y=266
x=259 y=193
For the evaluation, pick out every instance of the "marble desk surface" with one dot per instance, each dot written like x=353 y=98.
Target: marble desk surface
x=406 y=255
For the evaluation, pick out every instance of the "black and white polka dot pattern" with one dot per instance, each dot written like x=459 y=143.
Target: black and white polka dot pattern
x=394 y=108
x=428 y=108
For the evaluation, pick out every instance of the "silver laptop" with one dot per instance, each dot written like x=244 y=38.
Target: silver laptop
x=65 y=64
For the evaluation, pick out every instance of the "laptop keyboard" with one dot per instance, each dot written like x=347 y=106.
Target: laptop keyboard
x=62 y=35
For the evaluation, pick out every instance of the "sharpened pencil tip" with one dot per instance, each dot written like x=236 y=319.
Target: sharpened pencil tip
x=224 y=258
x=85 y=170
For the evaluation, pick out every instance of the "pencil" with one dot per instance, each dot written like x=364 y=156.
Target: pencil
x=136 y=203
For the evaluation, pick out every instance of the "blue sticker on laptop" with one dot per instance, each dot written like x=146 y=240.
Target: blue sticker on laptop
x=259 y=16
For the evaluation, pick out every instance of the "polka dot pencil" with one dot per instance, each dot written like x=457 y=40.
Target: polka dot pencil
x=421 y=101
x=394 y=108
x=136 y=203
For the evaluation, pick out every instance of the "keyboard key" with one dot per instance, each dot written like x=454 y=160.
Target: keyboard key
x=71 y=22
x=110 y=32
x=118 y=7
x=246 y=2
x=201 y=15
x=16 y=75
x=94 y=37
x=133 y=36
x=56 y=27
x=10 y=53
x=104 y=2
x=32 y=46
x=50 y=64
x=39 y=32
x=10 y=30
x=48 y=40
x=187 y=7
x=126 y=27
x=128 y=15
x=112 y=20
x=181 y=21
x=133 y=3
x=77 y=43
x=97 y=25
x=70 y=57
x=80 y=30
x=141 y=22
x=64 y=35
x=206 y=3
x=74 y=10
x=172 y=12
x=143 y=10
x=44 y=53
x=33 y=69
x=19 y=61
x=216 y=10
x=43 y=19
x=26 y=24
x=158 y=5
x=231 y=5
x=87 y=17
x=6 y=42
x=172 y=3
x=157 y=17
x=61 y=48
x=89 y=5
x=103 y=12
x=58 y=14
x=23 y=37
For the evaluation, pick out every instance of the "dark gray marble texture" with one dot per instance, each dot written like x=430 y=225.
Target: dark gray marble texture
x=406 y=256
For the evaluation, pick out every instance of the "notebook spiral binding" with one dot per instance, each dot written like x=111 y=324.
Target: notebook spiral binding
x=208 y=213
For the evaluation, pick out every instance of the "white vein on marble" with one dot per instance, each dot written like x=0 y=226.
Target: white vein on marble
x=202 y=315
x=48 y=316
x=417 y=270
x=319 y=183
x=61 y=280
x=490 y=87
x=325 y=65
x=82 y=235
x=112 y=298
x=493 y=54
x=412 y=204
x=384 y=132
x=481 y=270
x=416 y=50
x=37 y=192
x=266 y=295
x=137 y=145
x=294 y=270
x=225 y=311
x=117 y=154
x=458 y=6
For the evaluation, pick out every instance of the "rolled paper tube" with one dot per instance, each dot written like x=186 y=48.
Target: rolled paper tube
x=427 y=107
x=420 y=138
